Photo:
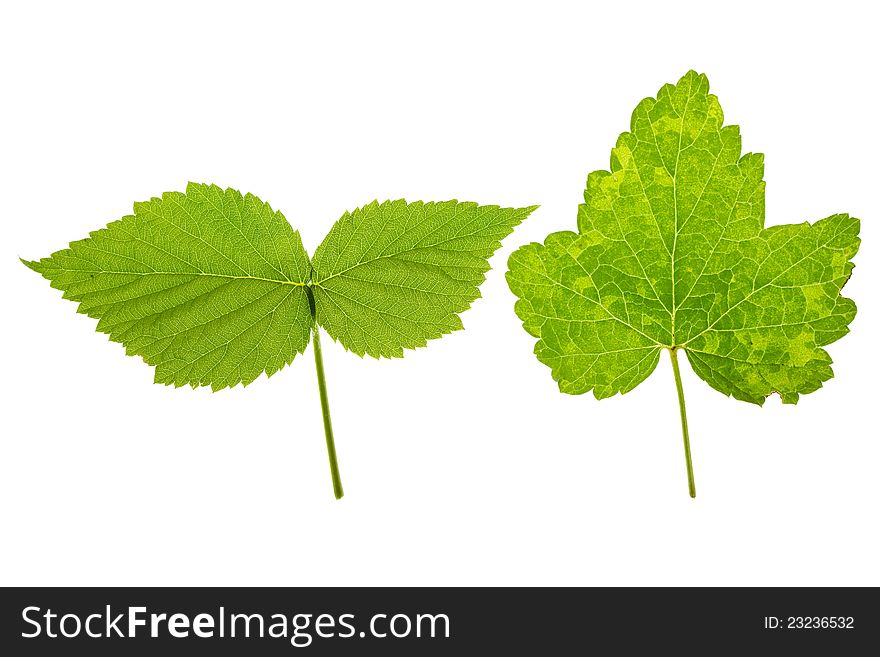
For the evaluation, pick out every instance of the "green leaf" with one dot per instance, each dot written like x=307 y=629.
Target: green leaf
x=394 y=275
x=207 y=286
x=214 y=288
x=672 y=253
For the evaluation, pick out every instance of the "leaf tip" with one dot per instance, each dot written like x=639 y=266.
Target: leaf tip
x=32 y=264
x=193 y=187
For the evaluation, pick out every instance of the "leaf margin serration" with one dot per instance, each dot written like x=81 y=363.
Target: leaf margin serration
x=353 y=220
x=47 y=266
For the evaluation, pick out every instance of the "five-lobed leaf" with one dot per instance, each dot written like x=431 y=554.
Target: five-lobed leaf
x=672 y=253
x=212 y=287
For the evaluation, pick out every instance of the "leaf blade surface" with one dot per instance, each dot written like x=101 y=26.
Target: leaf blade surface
x=672 y=252
x=207 y=286
x=394 y=275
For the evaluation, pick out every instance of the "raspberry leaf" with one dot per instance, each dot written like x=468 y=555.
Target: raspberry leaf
x=213 y=287
x=394 y=275
x=207 y=286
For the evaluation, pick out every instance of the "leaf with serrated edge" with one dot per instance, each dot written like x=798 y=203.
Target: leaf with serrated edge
x=672 y=253
x=214 y=288
x=394 y=275
x=207 y=286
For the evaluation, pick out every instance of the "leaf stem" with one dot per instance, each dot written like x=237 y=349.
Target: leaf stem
x=325 y=403
x=692 y=489
x=325 y=411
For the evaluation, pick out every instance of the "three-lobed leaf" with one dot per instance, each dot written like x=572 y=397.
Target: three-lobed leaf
x=672 y=253
x=212 y=287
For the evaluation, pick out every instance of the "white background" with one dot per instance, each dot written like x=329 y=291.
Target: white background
x=462 y=463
